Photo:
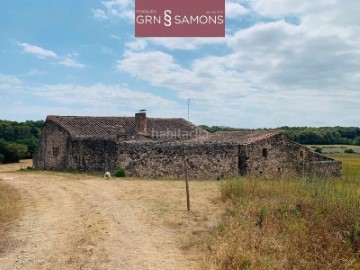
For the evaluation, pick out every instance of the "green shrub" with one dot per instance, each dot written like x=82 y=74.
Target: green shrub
x=11 y=152
x=260 y=217
x=120 y=172
x=318 y=150
x=349 y=151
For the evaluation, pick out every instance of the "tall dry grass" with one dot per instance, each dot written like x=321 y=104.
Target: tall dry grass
x=287 y=223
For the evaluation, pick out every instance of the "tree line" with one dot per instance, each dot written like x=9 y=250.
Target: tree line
x=310 y=135
x=18 y=140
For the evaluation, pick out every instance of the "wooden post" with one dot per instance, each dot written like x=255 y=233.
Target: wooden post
x=187 y=186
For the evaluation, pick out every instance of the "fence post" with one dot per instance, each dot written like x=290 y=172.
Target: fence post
x=187 y=186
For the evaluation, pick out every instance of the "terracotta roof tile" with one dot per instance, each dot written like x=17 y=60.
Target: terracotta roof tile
x=241 y=137
x=157 y=128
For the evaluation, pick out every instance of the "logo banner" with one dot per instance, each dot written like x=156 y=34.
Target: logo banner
x=180 y=18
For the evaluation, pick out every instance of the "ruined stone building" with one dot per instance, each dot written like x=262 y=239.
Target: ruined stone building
x=159 y=147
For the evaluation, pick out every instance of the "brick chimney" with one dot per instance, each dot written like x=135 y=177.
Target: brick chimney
x=140 y=121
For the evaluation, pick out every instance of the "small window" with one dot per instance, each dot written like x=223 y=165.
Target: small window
x=301 y=153
x=55 y=151
x=265 y=153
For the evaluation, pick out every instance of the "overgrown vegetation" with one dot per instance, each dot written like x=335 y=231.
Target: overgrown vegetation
x=120 y=172
x=309 y=135
x=289 y=223
x=18 y=140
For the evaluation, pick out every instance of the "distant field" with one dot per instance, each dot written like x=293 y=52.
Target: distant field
x=336 y=148
x=350 y=164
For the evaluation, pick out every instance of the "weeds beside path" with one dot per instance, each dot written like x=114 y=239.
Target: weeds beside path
x=289 y=223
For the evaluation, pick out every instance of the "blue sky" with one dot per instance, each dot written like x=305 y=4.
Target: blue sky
x=282 y=62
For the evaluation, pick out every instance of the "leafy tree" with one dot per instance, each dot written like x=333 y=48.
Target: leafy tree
x=18 y=140
x=357 y=140
x=11 y=152
x=23 y=133
x=31 y=143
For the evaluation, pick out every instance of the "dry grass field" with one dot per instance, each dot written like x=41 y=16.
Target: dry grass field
x=57 y=220
x=289 y=223
x=79 y=221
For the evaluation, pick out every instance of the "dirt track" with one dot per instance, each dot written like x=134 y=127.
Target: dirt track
x=75 y=221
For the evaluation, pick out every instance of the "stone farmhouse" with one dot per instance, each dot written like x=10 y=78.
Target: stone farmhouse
x=160 y=147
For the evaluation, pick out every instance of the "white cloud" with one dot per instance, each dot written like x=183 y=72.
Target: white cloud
x=38 y=51
x=33 y=72
x=97 y=94
x=75 y=99
x=138 y=44
x=115 y=37
x=157 y=67
x=123 y=9
x=99 y=14
x=9 y=79
x=280 y=8
x=9 y=84
x=187 y=44
x=103 y=99
x=69 y=62
x=234 y=10
x=106 y=50
x=309 y=70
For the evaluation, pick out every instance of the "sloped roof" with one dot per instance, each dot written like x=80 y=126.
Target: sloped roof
x=158 y=129
x=241 y=137
x=102 y=127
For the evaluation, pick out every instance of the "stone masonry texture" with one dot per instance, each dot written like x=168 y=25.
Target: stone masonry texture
x=160 y=147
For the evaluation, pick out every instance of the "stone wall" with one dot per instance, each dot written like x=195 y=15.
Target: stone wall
x=94 y=155
x=278 y=155
x=270 y=157
x=205 y=160
x=156 y=160
x=320 y=166
x=51 y=151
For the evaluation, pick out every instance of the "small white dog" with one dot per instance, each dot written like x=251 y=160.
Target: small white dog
x=107 y=175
